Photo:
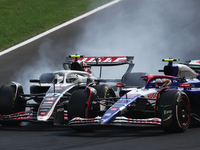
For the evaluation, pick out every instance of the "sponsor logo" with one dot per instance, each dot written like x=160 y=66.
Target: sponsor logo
x=167 y=112
x=58 y=88
x=153 y=95
x=43 y=113
x=52 y=94
x=44 y=107
x=60 y=109
x=108 y=114
x=50 y=98
x=113 y=108
x=103 y=59
x=129 y=96
x=48 y=102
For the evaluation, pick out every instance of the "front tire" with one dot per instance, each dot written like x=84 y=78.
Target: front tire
x=177 y=118
x=11 y=102
x=80 y=106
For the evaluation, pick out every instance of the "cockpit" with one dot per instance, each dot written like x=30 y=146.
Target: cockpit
x=65 y=77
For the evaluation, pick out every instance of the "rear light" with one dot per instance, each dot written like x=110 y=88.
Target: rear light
x=185 y=85
x=120 y=85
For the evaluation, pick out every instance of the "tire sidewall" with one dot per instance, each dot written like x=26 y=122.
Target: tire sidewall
x=181 y=96
x=172 y=98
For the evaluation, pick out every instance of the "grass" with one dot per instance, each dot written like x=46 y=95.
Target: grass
x=22 y=19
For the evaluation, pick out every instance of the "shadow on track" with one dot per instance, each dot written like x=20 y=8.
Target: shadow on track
x=110 y=131
x=117 y=132
x=30 y=126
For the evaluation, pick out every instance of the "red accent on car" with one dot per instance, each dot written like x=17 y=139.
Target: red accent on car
x=120 y=85
x=50 y=98
x=113 y=108
x=185 y=85
x=88 y=102
x=102 y=59
x=43 y=113
x=188 y=113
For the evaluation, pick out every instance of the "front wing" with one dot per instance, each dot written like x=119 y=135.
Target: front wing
x=117 y=121
x=26 y=116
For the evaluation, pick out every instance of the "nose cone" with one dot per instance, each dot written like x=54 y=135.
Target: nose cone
x=42 y=118
x=118 y=107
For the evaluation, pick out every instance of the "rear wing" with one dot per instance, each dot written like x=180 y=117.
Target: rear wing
x=194 y=64
x=99 y=61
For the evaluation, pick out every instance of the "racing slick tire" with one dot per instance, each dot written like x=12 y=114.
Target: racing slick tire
x=173 y=107
x=11 y=102
x=133 y=79
x=103 y=91
x=80 y=106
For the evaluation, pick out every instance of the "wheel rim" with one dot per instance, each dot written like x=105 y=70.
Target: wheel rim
x=183 y=112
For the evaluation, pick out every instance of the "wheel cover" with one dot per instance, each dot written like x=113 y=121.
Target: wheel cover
x=183 y=112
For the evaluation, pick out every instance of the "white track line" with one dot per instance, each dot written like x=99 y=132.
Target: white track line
x=58 y=27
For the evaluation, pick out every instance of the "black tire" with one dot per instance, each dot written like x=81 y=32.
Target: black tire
x=133 y=79
x=80 y=106
x=175 y=118
x=103 y=91
x=9 y=104
x=77 y=104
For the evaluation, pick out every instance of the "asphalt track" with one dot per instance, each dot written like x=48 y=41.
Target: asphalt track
x=53 y=48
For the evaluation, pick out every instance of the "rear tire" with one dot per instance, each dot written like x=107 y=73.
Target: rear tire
x=103 y=91
x=178 y=116
x=11 y=102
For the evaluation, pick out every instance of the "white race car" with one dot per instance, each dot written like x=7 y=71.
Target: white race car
x=53 y=90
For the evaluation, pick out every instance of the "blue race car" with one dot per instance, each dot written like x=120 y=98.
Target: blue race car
x=169 y=101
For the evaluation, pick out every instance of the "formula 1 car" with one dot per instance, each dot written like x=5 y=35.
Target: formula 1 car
x=53 y=90
x=169 y=101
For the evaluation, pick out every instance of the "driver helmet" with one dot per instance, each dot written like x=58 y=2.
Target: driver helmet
x=75 y=78
x=72 y=78
x=162 y=82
